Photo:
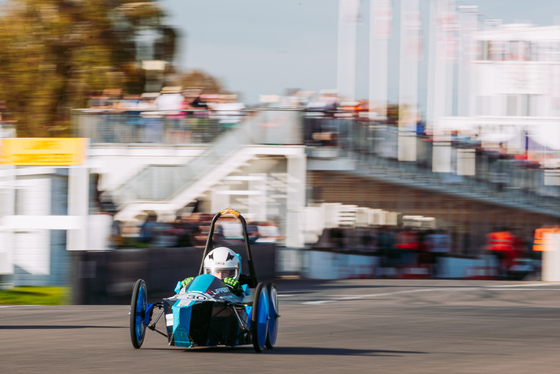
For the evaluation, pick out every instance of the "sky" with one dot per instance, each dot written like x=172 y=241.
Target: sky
x=268 y=46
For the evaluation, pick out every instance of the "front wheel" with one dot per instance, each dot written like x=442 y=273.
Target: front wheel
x=259 y=318
x=138 y=313
x=273 y=315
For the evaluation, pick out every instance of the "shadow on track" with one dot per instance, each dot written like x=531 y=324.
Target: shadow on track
x=54 y=327
x=299 y=351
x=339 y=351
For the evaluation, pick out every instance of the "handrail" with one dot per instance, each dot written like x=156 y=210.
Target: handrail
x=374 y=147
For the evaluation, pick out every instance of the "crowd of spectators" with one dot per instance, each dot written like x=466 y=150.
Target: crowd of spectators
x=191 y=230
x=401 y=246
x=183 y=116
x=396 y=246
x=172 y=116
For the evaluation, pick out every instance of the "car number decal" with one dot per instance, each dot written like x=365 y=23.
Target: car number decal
x=194 y=296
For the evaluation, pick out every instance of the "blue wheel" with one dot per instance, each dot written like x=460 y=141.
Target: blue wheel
x=273 y=315
x=138 y=313
x=259 y=318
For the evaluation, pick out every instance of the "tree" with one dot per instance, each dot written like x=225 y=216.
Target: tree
x=203 y=81
x=55 y=53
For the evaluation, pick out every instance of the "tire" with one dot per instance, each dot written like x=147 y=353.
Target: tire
x=259 y=318
x=138 y=313
x=273 y=315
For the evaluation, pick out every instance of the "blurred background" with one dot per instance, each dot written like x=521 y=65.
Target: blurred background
x=359 y=139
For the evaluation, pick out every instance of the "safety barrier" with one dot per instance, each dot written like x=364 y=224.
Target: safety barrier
x=482 y=273
x=414 y=272
x=107 y=277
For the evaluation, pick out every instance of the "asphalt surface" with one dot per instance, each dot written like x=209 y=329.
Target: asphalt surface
x=345 y=326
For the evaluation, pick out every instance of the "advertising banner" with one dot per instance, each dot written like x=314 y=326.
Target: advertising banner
x=43 y=151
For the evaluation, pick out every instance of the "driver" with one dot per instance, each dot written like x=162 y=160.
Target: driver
x=222 y=263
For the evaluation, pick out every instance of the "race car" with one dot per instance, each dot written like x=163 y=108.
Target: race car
x=206 y=313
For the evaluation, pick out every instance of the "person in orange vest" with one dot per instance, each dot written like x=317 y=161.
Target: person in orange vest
x=502 y=245
x=540 y=242
x=407 y=244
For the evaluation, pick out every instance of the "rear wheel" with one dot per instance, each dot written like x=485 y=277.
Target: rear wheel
x=138 y=313
x=259 y=318
x=273 y=315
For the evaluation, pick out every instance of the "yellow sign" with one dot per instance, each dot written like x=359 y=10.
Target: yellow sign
x=43 y=151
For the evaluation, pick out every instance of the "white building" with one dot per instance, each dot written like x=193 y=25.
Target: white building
x=517 y=70
x=515 y=87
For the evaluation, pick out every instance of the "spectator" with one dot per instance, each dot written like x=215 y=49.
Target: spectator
x=437 y=245
x=186 y=229
x=170 y=102
x=226 y=109
x=386 y=243
x=408 y=244
x=134 y=122
x=268 y=233
x=231 y=228
x=253 y=232
x=148 y=228
x=151 y=119
x=99 y=129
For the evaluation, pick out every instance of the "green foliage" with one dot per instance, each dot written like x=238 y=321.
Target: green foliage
x=35 y=296
x=141 y=13
x=55 y=53
x=198 y=79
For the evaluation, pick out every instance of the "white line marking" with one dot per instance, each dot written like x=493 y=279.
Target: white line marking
x=524 y=289
x=371 y=295
x=496 y=288
x=526 y=285
x=285 y=295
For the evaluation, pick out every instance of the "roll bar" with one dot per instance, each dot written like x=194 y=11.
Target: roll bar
x=231 y=212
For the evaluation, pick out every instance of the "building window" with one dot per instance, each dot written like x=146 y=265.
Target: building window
x=524 y=105
x=482 y=50
x=527 y=51
x=484 y=105
x=533 y=105
x=511 y=105
x=513 y=51
x=18 y=201
x=497 y=50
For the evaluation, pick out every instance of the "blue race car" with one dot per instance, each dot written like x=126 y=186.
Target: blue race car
x=206 y=313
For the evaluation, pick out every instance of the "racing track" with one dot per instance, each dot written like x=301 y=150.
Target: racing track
x=349 y=326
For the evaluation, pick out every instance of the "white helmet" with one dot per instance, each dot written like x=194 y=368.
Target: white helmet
x=222 y=262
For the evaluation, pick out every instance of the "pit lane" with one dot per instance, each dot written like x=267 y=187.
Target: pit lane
x=385 y=326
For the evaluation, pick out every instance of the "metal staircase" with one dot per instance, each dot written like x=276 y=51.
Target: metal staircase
x=171 y=187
